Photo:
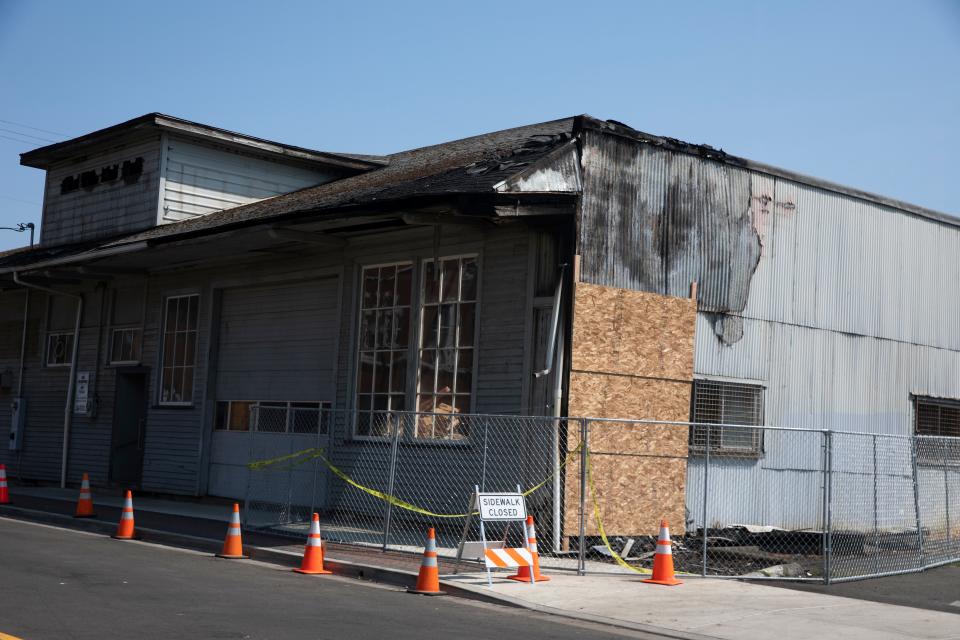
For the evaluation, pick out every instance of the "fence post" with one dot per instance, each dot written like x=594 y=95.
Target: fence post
x=582 y=551
x=916 y=500
x=827 y=504
x=390 y=481
x=876 y=511
x=250 y=453
x=706 y=472
x=946 y=493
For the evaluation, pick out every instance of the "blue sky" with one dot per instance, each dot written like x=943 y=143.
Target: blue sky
x=862 y=93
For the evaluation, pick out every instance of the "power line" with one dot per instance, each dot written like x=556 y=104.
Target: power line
x=28 y=135
x=26 y=142
x=26 y=126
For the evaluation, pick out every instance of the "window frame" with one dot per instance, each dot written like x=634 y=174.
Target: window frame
x=253 y=426
x=357 y=344
x=162 y=348
x=757 y=448
x=124 y=363
x=72 y=338
x=925 y=455
x=475 y=342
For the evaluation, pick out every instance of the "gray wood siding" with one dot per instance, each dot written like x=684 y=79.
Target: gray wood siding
x=107 y=209
x=176 y=437
x=277 y=342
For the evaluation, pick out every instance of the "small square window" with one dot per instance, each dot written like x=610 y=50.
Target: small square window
x=729 y=404
x=125 y=346
x=937 y=422
x=59 y=349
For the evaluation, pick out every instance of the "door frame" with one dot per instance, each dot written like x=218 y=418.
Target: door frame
x=144 y=373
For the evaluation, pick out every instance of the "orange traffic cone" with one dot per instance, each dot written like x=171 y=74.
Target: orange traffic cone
x=85 y=502
x=523 y=573
x=125 y=529
x=313 y=553
x=233 y=545
x=663 y=559
x=428 y=580
x=4 y=491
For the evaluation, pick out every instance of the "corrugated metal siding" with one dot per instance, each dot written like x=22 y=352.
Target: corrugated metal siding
x=106 y=209
x=201 y=179
x=846 y=308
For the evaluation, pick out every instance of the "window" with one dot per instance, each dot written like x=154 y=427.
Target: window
x=59 y=348
x=448 y=320
x=125 y=346
x=727 y=403
x=937 y=417
x=179 y=350
x=384 y=340
x=273 y=417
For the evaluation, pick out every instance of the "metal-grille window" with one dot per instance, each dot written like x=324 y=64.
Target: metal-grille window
x=726 y=403
x=179 y=349
x=448 y=320
x=125 y=346
x=59 y=349
x=383 y=343
x=273 y=417
x=938 y=417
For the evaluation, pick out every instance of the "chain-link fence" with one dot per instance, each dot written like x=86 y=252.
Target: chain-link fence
x=741 y=501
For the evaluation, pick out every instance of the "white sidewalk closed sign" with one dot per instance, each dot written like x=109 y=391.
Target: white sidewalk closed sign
x=502 y=506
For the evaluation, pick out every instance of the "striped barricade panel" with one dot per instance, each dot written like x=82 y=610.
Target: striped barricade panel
x=506 y=558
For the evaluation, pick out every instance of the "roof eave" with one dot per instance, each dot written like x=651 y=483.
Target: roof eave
x=43 y=157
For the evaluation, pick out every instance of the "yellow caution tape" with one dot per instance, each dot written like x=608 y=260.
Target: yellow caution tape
x=311 y=453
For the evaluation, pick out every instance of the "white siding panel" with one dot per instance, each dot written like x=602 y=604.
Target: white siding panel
x=201 y=179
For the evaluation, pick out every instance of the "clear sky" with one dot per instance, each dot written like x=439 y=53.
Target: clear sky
x=862 y=93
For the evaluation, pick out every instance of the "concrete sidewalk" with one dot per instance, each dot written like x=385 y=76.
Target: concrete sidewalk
x=720 y=609
x=700 y=608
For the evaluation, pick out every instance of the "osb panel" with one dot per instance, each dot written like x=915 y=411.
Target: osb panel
x=607 y=396
x=632 y=332
x=632 y=358
x=633 y=493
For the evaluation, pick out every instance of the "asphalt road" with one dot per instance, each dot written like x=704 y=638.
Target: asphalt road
x=58 y=583
x=937 y=589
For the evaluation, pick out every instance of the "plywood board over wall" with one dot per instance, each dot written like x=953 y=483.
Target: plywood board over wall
x=631 y=358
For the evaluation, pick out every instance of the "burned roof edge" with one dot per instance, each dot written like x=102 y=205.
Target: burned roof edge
x=719 y=155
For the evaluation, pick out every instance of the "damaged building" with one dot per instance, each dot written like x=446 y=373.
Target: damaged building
x=188 y=277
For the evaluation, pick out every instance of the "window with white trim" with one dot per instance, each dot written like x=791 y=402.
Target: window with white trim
x=59 y=348
x=179 y=350
x=729 y=404
x=273 y=417
x=125 y=345
x=383 y=345
x=446 y=354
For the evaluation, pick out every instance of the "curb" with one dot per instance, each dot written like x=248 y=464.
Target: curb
x=342 y=568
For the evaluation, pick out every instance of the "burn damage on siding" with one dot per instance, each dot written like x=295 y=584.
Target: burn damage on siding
x=655 y=220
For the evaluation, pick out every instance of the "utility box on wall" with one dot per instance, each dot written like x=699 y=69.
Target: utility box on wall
x=18 y=413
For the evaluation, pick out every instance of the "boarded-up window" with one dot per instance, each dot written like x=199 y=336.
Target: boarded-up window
x=728 y=405
x=939 y=418
x=179 y=349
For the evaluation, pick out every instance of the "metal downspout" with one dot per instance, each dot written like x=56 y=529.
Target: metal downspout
x=71 y=383
x=554 y=362
x=23 y=344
